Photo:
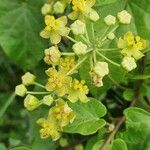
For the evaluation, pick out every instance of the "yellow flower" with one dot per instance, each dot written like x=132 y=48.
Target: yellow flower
x=96 y=79
x=46 y=9
x=79 y=48
x=62 y=113
x=31 y=102
x=28 y=79
x=132 y=45
x=83 y=8
x=52 y=55
x=78 y=91
x=55 y=28
x=58 y=81
x=49 y=129
x=20 y=90
x=66 y=64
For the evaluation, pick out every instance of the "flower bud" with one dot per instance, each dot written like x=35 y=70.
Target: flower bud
x=52 y=55
x=59 y=7
x=46 y=9
x=111 y=36
x=93 y=15
x=101 y=69
x=124 y=17
x=48 y=100
x=79 y=48
x=96 y=80
x=78 y=27
x=20 y=90
x=79 y=147
x=31 y=102
x=63 y=142
x=28 y=79
x=110 y=20
x=128 y=63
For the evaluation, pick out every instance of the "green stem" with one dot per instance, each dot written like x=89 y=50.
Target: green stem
x=40 y=85
x=85 y=40
x=86 y=34
x=77 y=65
x=68 y=54
x=93 y=34
x=38 y=93
x=94 y=56
x=6 y=105
x=109 y=49
x=71 y=39
x=107 y=59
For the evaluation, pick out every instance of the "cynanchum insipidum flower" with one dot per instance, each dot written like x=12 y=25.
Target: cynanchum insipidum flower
x=28 y=79
x=48 y=100
x=78 y=91
x=46 y=9
x=128 y=63
x=55 y=28
x=63 y=113
x=58 y=82
x=52 y=55
x=83 y=8
x=31 y=102
x=49 y=128
x=124 y=17
x=20 y=90
x=110 y=20
x=132 y=46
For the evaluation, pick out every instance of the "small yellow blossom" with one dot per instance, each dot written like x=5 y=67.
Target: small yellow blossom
x=55 y=28
x=52 y=55
x=110 y=20
x=31 y=102
x=132 y=45
x=49 y=129
x=66 y=64
x=20 y=90
x=28 y=79
x=78 y=91
x=58 y=81
x=46 y=9
x=101 y=69
x=124 y=17
x=59 y=7
x=62 y=113
x=78 y=27
x=79 y=48
x=128 y=63
x=63 y=142
x=79 y=147
x=83 y=8
x=47 y=100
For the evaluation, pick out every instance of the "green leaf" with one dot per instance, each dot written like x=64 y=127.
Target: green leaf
x=104 y=2
x=20 y=148
x=137 y=134
x=128 y=95
x=2 y=146
x=20 y=25
x=88 y=117
x=119 y=144
x=141 y=77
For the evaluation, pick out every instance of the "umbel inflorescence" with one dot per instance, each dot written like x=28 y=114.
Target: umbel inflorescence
x=62 y=85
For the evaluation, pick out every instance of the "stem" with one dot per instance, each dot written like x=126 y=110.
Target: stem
x=112 y=62
x=40 y=85
x=71 y=39
x=38 y=93
x=115 y=27
x=93 y=34
x=77 y=65
x=85 y=40
x=6 y=105
x=109 y=49
x=86 y=34
x=68 y=54
x=104 y=34
x=94 y=56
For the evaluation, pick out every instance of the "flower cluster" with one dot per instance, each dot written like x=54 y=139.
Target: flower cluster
x=63 y=82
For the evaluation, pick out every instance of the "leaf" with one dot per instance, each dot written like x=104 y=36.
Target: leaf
x=137 y=134
x=20 y=148
x=104 y=2
x=141 y=77
x=119 y=144
x=20 y=25
x=128 y=95
x=88 y=117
